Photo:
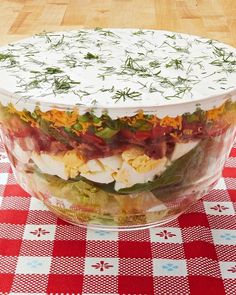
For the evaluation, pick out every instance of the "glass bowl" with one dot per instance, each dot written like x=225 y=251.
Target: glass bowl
x=140 y=168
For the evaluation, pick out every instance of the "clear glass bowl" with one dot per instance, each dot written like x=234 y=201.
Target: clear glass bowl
x=125 y=173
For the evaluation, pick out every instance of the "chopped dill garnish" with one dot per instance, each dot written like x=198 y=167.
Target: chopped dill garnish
x=126 y=93
x=104 y=32
x=139 y=32
x=176 y=64
x=154 y=64
x=91 y=56
x=53 y=70
x=58 y=43
x=61 y=84
x=8 y=57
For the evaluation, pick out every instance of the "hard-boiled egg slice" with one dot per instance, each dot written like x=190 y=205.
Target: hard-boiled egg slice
x=131 y=154
x=101 y=170
x=144 y=163
x=182 y=149
x=65 y=165
x=50 y=164
x=100 y=177
x=94 y=166
x=113 y=162
x=128 y=175
x=91 y=166
x=72 y=161
x=20 y=154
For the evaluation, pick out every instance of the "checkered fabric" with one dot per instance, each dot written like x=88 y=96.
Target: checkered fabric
x=195 y=254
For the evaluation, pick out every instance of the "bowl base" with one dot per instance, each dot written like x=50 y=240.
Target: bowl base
x=122 y=228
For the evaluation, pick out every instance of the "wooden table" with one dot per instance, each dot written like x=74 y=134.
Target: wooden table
x=209 y=18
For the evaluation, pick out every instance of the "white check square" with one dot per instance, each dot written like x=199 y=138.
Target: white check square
x=39 y=232
x=228 y=269
x=166 y=235
x=224 y=236
x=101 y=235
x=220 y=184
x=3 y=157
x=33 y=265
x=219 y=208
x=101 y=266
x=36 y=204
x=169 y=267
x=3 y=178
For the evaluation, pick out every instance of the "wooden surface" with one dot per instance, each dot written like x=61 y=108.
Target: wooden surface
x=210 y=18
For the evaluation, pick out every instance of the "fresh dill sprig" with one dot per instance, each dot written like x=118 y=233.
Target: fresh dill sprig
x=176 y=64
x=45 y=35
x=180 y=92
x=94 y=102
x=108 y=89
x=125 y=94
x=131 y=67
x=177 y=48
x=5 y=56
x=36 y=81
x=33 y=84
x=81 y=93
x=70 y=61
x=104 y=32
x=154 y=64
x=9 y=57
x=139 y=32
x=37 y=62
x=90 y=55
x=58 y=43
x=153 y=89
x=225 y=60
x=130 y=63
x=173 y=36
x=53 y=70
x=64 y=83
x=180 y=85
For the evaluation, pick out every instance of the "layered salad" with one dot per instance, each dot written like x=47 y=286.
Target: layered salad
x=117 y=128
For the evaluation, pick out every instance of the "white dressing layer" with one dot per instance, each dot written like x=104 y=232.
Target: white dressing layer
x=119 y=71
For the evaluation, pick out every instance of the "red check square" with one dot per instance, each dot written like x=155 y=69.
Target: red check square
x=62 y=222
x=193 y=219
x=6 y=283
x=134 y=249
x=95 y=284
x=10 y=247
x=232 y=194
x=29 y=283
x=102 y=249
x=205 y=285
x=229 y=172
x=69 y=248
x=15 y=190
x=199 y=249
x=13 y=216
x=233 y=153
x=135 y=285
x=71 y=284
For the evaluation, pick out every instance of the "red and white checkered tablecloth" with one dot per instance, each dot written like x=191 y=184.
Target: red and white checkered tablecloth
x=195 y=254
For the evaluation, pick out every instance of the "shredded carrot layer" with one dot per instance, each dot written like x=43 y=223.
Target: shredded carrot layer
x=69 y=119
x=60 y=118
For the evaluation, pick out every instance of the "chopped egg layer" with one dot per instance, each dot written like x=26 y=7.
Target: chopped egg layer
x=131 y=167
x=129 y=176
x=65 y=165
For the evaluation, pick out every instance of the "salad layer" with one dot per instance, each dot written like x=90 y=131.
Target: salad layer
x=126 y=172
x=126 y=155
